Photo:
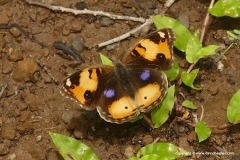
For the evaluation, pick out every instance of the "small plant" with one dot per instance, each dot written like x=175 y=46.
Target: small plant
x=226 y=8
x=72 y=149
x=233 y=109
x=159 y=151
x=202 y=131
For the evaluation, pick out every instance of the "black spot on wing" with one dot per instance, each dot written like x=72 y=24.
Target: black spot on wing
x=90 y=73
x=155 y=38
x=75 y=78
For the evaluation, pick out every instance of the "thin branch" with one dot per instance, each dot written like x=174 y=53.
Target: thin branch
x=206 y=20
x=101 y=13
x=202 y=113
x=46 y=69
x=85 y=11
x=3 y=90
x=126 y=35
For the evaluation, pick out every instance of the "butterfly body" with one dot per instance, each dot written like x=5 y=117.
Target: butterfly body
x=121 y=92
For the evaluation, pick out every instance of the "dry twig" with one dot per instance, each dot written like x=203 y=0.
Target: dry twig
x=85 y=11
x=145 y=22
x=45 y=68
x=3 y=90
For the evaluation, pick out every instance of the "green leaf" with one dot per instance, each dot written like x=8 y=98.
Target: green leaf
x=173 y=72
x=226 y=8
x=189 y=104
x=182 y=33
x=233 y=109
x=206 y=51
x=134 y=158
x=160 y=114
x=234 y=35
x=72 y=149
x=153 y=157
x=105 y=60
x=188 y=78
x=194 y=50
x=202 y=131
x=193 y=46
x=163 y=150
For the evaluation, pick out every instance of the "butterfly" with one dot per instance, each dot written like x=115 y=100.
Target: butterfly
x=134 y=85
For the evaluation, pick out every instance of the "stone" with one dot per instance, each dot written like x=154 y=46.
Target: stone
x=24 y=70
x=15 y=56
x=15 y=32
x=213 y=90
x=23 y=116
x=4 y=147
x=2 y=43
x=129 y=151
x=67 y=117
x=79 y=134
x=7 y=67
x=105 y=22
x=25 y=129
x=147 y=139
x=8 y=132
x=78 y=44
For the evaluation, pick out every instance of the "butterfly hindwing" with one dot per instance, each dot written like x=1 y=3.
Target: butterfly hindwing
x=154 y=50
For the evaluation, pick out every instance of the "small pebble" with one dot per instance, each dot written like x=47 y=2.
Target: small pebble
x=4 y=147
x=78 y=44
x=2 y=43
x=38 y=138
x=24 y=70
x=81 y=5
x=129 y=151
x=8 y=132
x=105 y=21
x=15 y=56
x=65 y=31
x=147 y=139
x=11 y=156
x=224 y=138
x=24 y=116
x=67 y=117
x=25 y=129
x=78 y=134
x=15 y=32
x=16 y=112
x=21 y=106
x=213 y=90
x=7 y=67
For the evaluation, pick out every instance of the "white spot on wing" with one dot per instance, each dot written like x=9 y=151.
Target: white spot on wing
x=68 y=82
x=162 y=34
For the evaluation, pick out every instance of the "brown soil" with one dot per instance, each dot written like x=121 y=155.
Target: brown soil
x=32 y=105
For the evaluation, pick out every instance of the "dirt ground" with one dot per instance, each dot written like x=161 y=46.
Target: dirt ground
x=32 y=105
